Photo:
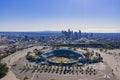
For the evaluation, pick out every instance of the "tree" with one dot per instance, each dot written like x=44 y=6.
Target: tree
x=119 y=54
x=32 y=58
x=39 y=52
x=25 y=78
x=3 y=70
x=87 y=56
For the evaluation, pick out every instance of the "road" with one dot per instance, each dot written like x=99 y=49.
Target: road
x=13 y=58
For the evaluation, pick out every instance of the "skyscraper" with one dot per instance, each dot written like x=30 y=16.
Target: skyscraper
x=70 y=35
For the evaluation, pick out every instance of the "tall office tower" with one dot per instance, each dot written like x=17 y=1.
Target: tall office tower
x=72 y=34
x=91 y=34
x=68 y=30
x=75 y=35
x=79 y=34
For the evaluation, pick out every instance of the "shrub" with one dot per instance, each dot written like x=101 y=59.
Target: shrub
x=3 y=70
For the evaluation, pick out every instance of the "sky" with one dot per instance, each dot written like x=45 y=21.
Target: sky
x=56 y=15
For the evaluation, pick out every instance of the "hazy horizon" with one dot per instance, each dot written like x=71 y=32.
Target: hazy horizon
x=55 y=15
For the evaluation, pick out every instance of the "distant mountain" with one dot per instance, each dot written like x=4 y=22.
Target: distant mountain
x=33 y=33
x=50 y=31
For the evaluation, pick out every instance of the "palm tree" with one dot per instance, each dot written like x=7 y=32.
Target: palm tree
x=90 y=73
x=86 y=71
x=94 y=73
